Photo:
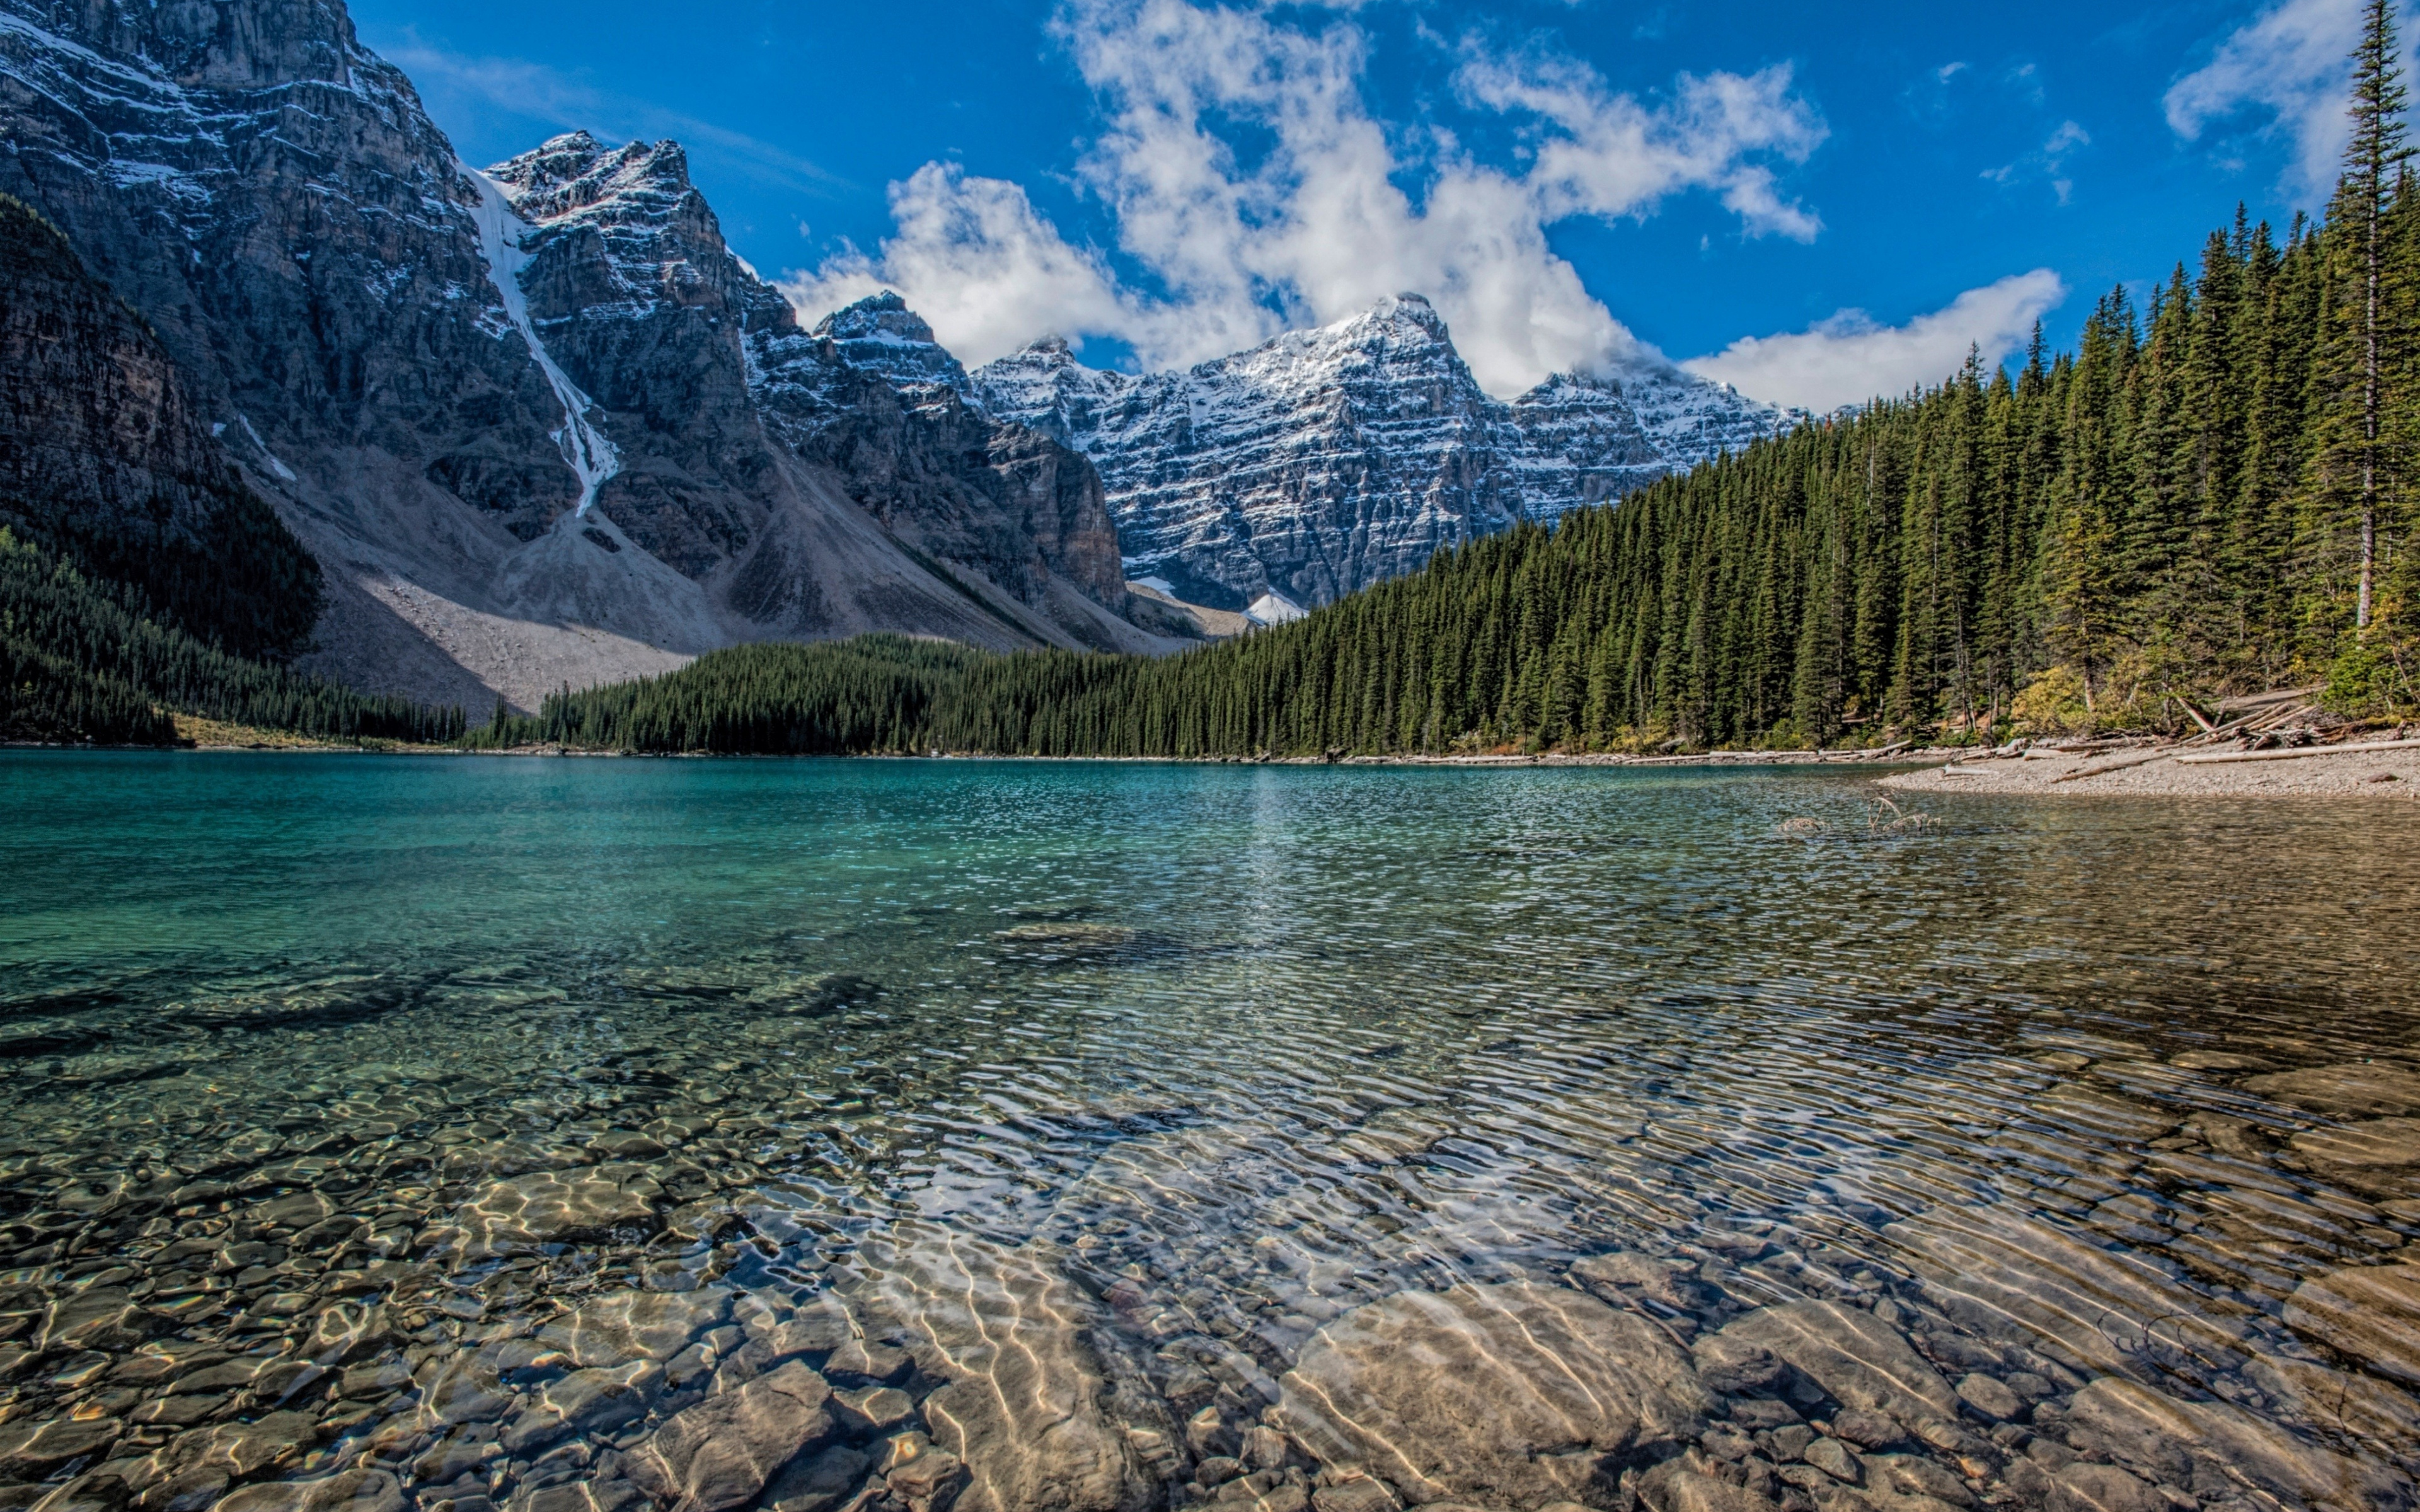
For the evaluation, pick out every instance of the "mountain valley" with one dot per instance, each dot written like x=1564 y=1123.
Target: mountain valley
x=538 y=426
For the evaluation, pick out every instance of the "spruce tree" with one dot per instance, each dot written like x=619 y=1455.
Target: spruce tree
x=2371 y=158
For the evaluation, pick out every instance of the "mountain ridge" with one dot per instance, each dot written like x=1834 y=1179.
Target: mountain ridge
x=271 y=197
x=1328 y=459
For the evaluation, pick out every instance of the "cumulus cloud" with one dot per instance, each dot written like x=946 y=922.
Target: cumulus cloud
x=1849 y=359
x=2292 y=63
x=980 y=263
x=1252 y=190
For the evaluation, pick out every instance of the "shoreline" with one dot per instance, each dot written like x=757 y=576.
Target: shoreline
x=277 y=743
x=2380 y=774
x=2363 y=774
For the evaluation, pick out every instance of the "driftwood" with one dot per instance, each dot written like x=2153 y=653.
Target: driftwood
x=2297 y=752
x=2262 y=701
x=2206 y=728
x=2143 y=759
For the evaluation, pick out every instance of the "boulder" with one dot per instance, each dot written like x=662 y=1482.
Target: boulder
x=2369 y=1313
x=2009 y=1274
x=720 y=1453
x=2165 y=1439
x=1861 y=1361
x=1504 y=1395
x=636 y=1325
x=591 y=1401
x=351 y=1491
x=1021 y=1403
x=2378 y=1142
x=2359 y=1089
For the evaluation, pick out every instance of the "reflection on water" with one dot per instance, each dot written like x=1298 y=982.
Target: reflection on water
x=820 y=1135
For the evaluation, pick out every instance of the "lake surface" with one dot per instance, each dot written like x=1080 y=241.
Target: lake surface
x=392 y=1132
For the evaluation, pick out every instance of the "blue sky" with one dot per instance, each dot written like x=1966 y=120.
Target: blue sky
x=1815 y=202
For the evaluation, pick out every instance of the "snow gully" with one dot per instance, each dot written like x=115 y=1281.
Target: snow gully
x=591 y=456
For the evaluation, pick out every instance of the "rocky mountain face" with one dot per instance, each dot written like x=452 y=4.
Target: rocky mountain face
x=539 y=426
x=1326 y=460
x=104 y=458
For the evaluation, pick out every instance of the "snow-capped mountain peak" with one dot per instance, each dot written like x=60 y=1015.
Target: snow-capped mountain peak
x=881 y=334
x=1325 y=459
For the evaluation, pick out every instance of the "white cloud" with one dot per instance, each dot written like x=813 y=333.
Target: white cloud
x=2293 y=62
x=980 y=263
x=1849 y=359
x=1252 y=190
x=2049 y=161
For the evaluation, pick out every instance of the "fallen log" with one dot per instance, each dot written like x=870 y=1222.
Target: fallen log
x=2259 y=700
x=2119 y=765
x=2297 y=752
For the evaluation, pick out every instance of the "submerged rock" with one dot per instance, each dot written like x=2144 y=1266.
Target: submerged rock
x=557 y=1206
x=591 y=1402
x=2378 y=1142
x=2336 y=1400
x=720 y=1453
x=2203 y=1445
x=1513 y=1394
x=351 y=1491
x=631 y=1325
x=1022 y=1400
x=2369 y=1313
x=2362 y=1088
x=2007 y=1273
x=1613 y=1274
x=1686 y=1491
x=1858 y=1359
x=104 y=1317
x=813 y=1482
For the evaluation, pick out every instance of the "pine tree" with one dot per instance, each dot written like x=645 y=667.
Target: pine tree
x=2376 y=150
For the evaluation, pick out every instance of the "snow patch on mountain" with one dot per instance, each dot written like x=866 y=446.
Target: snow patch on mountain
x=882 y=336
x=1324 y=460
x=590 y=455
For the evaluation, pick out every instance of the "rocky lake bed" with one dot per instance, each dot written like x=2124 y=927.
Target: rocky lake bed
x=1506 y=1145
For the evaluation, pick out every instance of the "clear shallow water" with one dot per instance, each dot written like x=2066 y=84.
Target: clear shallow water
x=336 y=1084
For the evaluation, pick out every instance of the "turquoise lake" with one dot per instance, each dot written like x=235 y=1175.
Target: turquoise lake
x=341 y=1084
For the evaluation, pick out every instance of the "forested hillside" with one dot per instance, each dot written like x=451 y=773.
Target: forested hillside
x=2210 y=496
x=80 y=660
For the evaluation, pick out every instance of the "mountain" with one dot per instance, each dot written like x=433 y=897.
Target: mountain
x=105 y=459
x=538 y=426
x=1327 y=460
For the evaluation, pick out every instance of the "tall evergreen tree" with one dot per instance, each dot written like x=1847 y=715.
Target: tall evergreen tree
x=2372 y=158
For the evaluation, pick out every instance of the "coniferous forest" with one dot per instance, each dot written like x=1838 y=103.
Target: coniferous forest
x=2211 y=495
x=81 y=660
